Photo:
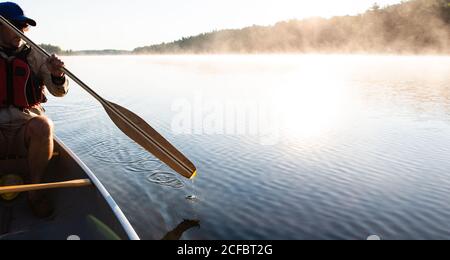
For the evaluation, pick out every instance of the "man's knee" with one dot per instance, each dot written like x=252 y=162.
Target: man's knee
x=40 y=127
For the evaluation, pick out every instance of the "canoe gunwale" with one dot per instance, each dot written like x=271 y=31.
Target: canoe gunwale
x=128 y=228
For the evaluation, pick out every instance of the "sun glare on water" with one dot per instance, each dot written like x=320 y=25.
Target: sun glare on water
x=312 y=105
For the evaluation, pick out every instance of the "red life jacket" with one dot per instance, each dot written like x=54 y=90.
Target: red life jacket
x=19 y=86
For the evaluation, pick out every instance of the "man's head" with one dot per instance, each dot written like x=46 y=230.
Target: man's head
x=13 y=13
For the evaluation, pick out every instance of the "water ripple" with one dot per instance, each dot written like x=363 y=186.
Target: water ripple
x=167 y=179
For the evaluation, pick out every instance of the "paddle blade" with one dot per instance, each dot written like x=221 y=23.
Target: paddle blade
x=147 y=137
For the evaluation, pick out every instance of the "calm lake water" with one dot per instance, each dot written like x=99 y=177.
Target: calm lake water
x=287 y=147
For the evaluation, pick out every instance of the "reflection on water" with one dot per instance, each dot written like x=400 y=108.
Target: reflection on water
x=319 y=147
x=184 y=226
x=311 y=104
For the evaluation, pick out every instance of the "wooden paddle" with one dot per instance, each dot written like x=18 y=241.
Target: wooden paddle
x=129 y=123
x=45 y=186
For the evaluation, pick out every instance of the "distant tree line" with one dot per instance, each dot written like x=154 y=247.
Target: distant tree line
x=57 y=50
x=416 y=26
x=51 y=49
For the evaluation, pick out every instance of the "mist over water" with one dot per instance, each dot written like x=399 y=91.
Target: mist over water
x=411 y=27
x=359 y=145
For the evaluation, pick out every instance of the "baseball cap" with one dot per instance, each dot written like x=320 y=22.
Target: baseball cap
x=12 y=12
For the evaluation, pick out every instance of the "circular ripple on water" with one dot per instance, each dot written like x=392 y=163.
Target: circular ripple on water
x=108 y=152
x=145 y=166
x=167 y=179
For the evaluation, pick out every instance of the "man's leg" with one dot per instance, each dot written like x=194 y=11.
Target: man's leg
x=39 y=141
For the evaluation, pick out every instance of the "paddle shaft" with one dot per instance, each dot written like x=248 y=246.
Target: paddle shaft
x=185 y=167
x=45 y=186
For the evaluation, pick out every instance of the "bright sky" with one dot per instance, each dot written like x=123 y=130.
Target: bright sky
x=126 y=24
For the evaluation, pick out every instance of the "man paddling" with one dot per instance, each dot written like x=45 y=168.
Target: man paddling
x=25 y=131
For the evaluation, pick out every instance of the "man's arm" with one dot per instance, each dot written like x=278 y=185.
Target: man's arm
x=49 y=70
